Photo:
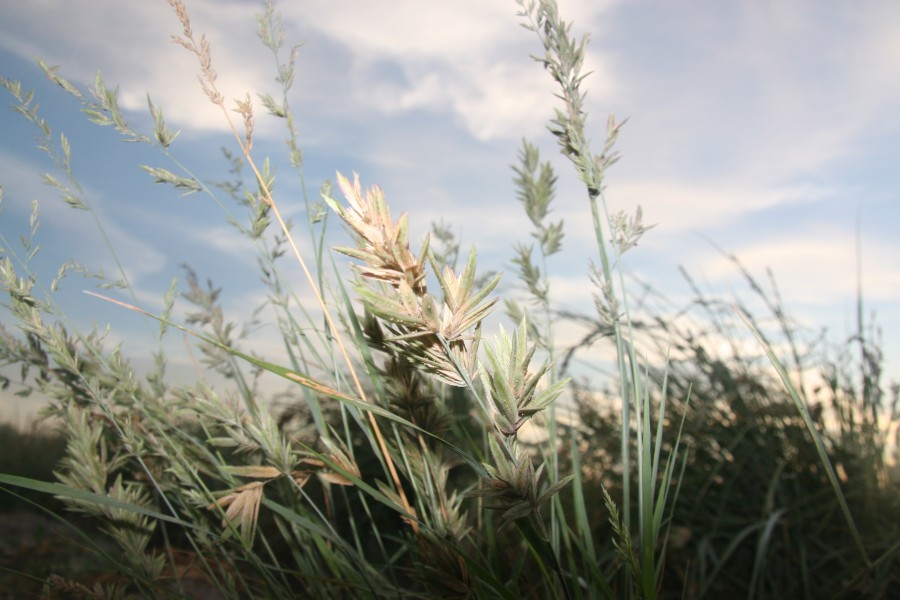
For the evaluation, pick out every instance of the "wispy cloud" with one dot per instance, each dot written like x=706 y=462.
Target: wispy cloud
x=76 y=230
x=819 y=266
x=132 y=48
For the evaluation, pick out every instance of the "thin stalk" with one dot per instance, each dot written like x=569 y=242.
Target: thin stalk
x=335 y=331
x=817 y=437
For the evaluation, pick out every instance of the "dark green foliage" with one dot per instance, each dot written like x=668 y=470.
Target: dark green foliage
x=756 y=514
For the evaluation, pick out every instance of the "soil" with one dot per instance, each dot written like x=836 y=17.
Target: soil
x=34 y=546
x=43 y=557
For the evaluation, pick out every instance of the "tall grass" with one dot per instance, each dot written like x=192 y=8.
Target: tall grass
x=398 y=468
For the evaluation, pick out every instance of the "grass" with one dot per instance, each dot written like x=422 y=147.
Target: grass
x=398 y=466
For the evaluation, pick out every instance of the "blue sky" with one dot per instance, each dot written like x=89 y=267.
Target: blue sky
x=770 y=128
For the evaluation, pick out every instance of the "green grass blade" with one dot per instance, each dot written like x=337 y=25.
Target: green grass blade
x=817 y=437
x=58 y=489
x=762 y=546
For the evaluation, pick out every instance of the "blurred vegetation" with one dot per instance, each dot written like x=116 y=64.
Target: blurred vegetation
x=756 y=515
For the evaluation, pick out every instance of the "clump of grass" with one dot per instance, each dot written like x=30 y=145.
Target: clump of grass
x=398 y=468
x=757 y=511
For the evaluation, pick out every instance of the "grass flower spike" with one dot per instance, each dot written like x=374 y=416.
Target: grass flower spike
x=384 y=244
x=434 y=335
x=510 y=387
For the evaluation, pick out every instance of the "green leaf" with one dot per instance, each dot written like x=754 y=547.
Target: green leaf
x=58 y=489
x=814 y=432
x=555 y=488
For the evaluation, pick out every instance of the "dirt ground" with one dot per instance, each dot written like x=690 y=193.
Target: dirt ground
x=36 y=548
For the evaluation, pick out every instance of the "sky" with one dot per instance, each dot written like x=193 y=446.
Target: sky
x=764 y=129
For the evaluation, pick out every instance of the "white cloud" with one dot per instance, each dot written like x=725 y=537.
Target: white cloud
x=759 y=93
x=679 y=205
x=765 y=78
x=817 y=266
x=468 y=59
x=410 y=29
x=501 y=99
x=131 y=46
